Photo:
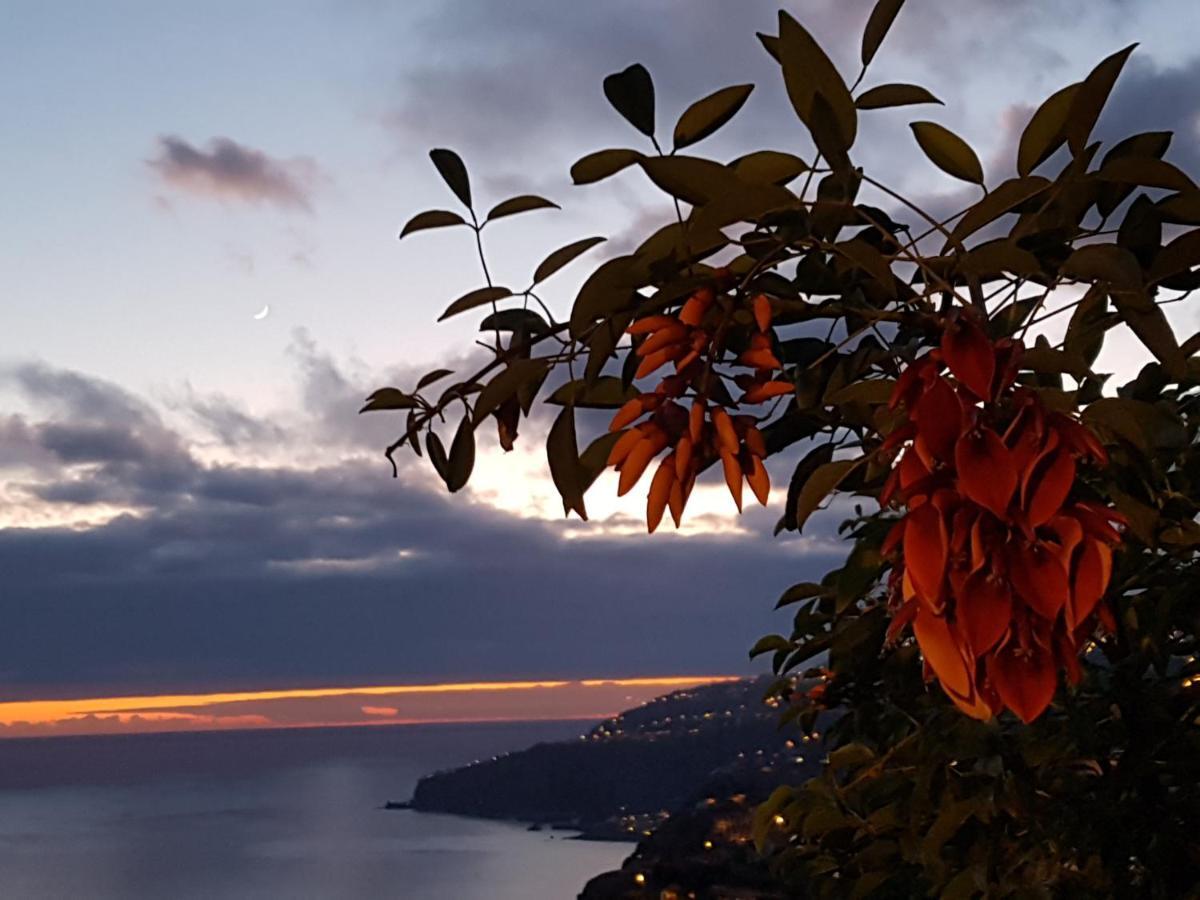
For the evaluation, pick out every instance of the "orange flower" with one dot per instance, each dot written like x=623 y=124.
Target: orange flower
x=999 y=574
x=694 y=340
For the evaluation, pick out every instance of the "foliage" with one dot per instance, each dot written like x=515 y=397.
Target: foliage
x=1022 y=513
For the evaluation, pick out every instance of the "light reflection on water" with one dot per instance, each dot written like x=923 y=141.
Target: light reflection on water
x=270 y=815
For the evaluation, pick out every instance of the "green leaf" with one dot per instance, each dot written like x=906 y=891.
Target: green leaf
x=430 y=377
x=472 y=299
x=516 y=320
x=606 y=392
x=562 y=453
x=705 y=116
x=823 y=482
x=948 y=151
x=807 y=73
x=878 y=25
x=562 y=256
x=886 y=95
x=523 y=203
x=433 y=218
x=631 y=92
x=1091 y=97
x=1006 y=197
x=507 y=383
x=770 y=644
x=1045 y=132
x=450 y=166
x=462 y=456
x=389 y=398
x=768 y=167
x=603 y=163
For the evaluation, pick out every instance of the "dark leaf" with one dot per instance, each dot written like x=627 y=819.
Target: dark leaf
x=601 y=164
x=804 y=591
x=454 y=173
x=525 y=320
x=768 y=167
x=389 y=398
x=948 y=151
x=886 y=95
x=691 y=179
x=1181 y=255
x=878 y=25
x=462 y=456
x=523 y=203
x=472 y=299
x=606 y=392
x=434 y=218
x=1006 y=197
x=437 y=455
x=807 y=72
x=705 y=116
x=769 y=644
x=562 y=256
x=1090 y=99
x=507 y=383
x=631 y=92
x=594 y=459
x=1143 y=316
x=562 y=454
x=1045 y=132
x=1089 y=321
x=430 y=377
x=1104 y=262
x=823 y=482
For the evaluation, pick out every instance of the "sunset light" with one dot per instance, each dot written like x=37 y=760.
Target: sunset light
x=477 y=701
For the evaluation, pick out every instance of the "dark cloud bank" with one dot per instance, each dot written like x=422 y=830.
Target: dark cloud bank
x=232 y=575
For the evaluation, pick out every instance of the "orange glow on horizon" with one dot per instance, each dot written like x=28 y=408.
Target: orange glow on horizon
x=475 y=701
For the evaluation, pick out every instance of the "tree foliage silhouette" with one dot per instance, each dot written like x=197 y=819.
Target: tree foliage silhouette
x=1019 y=515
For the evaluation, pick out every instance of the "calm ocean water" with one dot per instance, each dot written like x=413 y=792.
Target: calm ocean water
x=271 y=814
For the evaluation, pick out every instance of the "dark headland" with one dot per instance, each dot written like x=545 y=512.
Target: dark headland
x=680 y=775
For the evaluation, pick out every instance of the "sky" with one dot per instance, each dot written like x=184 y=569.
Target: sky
x=189 y=502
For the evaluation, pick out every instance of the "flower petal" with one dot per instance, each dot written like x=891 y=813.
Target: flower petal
x=1050 y=485
x=939 y=421
x=984 y=610
x=970 y=356
x=1040 y=579
x=1024 y=679
x=925 y=552
x=1092 y=574
x=943 y=651
x=986 y=472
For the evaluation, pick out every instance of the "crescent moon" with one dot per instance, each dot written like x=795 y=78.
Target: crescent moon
x=262 y=313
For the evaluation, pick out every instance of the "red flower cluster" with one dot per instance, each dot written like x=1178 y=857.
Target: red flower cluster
x=693 y=340
x=1000 y=572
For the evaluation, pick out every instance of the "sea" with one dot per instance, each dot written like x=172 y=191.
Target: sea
x=288 y=814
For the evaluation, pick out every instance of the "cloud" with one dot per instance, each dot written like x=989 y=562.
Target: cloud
x=228 y=170
x=208 y=574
